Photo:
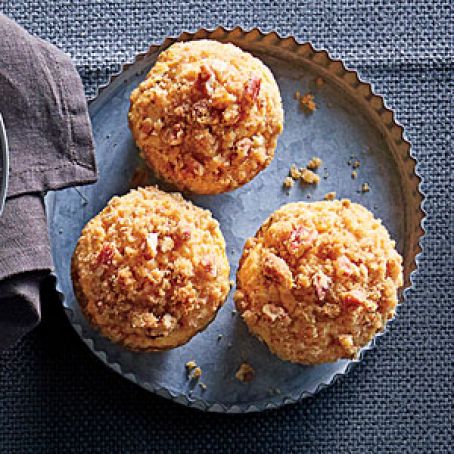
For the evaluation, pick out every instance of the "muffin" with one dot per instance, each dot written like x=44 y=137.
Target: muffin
x=318 y=281
x=207 y=117
x=150 y=270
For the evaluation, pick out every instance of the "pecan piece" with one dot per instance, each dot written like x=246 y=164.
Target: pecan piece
x=252 y=89
x=277 y=270
x=321 y=282
x=105 y=256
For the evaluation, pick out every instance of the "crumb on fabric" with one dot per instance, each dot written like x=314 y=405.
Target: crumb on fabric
x=245 y=373
x=306 y=101
x=354 y=174
x=294 y=172
x=288 y=182
x=309 y=177
x=365 y=187
x=314 y=163
x=330 y=196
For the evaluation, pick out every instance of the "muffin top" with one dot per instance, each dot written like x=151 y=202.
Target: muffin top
x=318 y=280
x=207 y=116
x=151 y=270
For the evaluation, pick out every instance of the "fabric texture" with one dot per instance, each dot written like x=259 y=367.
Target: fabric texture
x=48 y=114
x=51 y=146
x=58 y=397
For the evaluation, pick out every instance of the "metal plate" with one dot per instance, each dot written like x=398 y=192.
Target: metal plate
x=349 y=121
x=4 y=164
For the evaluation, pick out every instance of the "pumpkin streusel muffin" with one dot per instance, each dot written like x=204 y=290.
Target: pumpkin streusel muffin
x=150 y=270
x=207 y=117
x=318 y=281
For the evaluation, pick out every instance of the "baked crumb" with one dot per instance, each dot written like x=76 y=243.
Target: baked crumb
x=245 y=373
x=356 y=164
x=190 y=365
x=288 y=182
x=197 y=373
x=231 y=283
x=354 y=174
x=319 y=82
x=309 y=177
x=365 y=187
x=330 y=196
x=314 y=163
x=295 y=172
x=307 y=101
x=219 y=337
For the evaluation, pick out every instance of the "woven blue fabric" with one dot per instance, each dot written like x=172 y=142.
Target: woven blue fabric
x=55 y=396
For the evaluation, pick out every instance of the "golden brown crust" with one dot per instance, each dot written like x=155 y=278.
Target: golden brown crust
x=150 y=271
x=207 y=116
x=318 y=281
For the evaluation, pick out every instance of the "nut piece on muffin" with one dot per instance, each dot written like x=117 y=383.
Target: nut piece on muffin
x=150 y=270
x=318 y=281
x=207 y=117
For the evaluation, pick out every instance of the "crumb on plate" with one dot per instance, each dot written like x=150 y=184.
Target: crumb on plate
x=330 y=196
x=245 y=373
x=306 y=101
x=294 y=172
x=314 y=163
x=288 y=182
x=197 y=373
x=191 y=365
x=309 y=177
x=140 y=177
x=319 y=82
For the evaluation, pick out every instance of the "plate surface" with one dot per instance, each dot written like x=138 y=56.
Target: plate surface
x=349 y=121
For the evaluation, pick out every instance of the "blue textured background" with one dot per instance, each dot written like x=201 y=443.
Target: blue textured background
x=56 y=397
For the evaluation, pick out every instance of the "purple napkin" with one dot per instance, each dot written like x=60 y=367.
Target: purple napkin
x=51 y=147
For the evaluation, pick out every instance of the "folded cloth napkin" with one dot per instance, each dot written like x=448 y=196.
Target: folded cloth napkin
x=51 y=147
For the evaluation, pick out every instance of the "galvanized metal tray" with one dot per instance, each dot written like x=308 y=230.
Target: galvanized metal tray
x=350 y=120
x=4 y=164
